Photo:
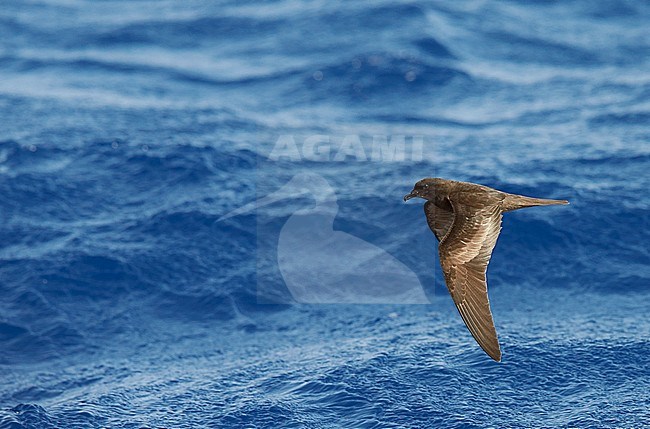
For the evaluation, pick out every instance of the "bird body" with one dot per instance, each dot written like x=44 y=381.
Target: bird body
x=466 y=219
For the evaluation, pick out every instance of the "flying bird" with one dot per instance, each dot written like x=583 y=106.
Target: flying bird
x=466 y=220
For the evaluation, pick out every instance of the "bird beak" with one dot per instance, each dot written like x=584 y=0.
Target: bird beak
x=409 y=196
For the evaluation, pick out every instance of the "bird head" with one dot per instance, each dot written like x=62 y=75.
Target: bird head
x=427 y=189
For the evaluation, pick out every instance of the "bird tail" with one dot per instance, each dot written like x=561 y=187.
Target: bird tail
x=516 y=202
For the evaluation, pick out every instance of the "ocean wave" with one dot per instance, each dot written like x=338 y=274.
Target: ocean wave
x=129 y=130
x=621 y=119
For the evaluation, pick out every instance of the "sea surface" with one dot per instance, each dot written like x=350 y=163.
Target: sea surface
x=128 y=129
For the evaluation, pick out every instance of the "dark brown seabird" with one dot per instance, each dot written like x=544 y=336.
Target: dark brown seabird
x=466 y=220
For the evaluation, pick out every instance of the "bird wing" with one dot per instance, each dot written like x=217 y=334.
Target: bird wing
x=464 y=255
x=439 y=219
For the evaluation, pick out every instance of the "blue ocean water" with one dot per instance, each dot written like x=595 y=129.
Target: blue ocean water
x=128 y=129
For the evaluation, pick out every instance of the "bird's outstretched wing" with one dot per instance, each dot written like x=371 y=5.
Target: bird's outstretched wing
x=439 y=219
x=464 y=255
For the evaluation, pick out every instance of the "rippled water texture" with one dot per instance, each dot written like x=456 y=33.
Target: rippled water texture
x=128 y=129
